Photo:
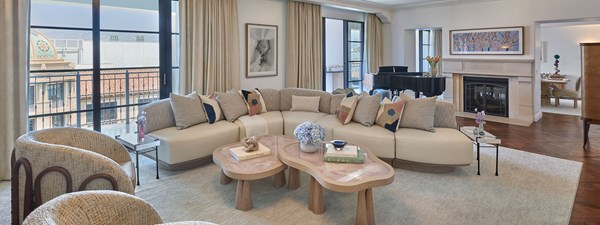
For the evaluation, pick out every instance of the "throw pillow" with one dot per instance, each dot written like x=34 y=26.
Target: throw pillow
x=305 y=103
x=232 y=105
x=254 y=102
x=211 y=108
x=188 y=110
x=389 y=114
x=419 y=114
x=346 y=109
x=366 y=110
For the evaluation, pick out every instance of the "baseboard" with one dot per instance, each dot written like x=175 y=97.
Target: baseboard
x=538 y=116
x=423 y=167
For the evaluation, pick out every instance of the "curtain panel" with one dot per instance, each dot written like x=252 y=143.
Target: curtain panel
x=437 y=47
x=210 y=58
x=374 y=43
x=14 y=49
x=304 y=52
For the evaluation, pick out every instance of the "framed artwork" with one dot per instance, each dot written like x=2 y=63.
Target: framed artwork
x=261 y=50
x=489 y=41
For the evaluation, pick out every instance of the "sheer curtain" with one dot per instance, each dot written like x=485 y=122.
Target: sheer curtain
x=374 y=43
x=210 y=58
x=304 y=53
x=14 y=37
x=437 y=47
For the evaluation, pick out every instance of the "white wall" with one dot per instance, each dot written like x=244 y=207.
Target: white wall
x=269 y=12
x=564 y=41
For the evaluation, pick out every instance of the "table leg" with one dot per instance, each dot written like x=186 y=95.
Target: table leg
x=225 y=179
x=496 y=160
x=315 y=197
x=586 y=130
x=279 y=179
x=365 y=215
x=293 y=179
x=156 y=154
x=478 y=164
x=137 y=167
x=243 y=198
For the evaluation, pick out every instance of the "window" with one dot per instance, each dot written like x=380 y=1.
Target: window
x=91 y=64
x=424 y=38
x=343 y=54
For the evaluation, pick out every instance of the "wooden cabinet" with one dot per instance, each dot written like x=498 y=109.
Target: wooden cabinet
x=590 y=69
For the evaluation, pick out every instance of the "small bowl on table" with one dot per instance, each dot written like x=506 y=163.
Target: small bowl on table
x=338 y=144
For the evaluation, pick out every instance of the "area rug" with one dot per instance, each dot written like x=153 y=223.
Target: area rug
x=531 y=189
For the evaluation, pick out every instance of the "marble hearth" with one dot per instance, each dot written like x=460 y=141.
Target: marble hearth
x=520 y=85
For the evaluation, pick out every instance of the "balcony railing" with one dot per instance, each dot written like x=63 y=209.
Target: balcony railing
x=64 y=98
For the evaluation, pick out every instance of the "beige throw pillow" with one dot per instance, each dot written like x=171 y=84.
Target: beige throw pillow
x=305 y=103
x=232 y=104
x=366 y=109
x=188 y=110
x=346 y=109
x=419 y=114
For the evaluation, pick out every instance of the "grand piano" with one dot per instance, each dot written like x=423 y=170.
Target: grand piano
x=397 y=79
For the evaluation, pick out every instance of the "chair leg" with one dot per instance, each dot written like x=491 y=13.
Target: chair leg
x=556 y=102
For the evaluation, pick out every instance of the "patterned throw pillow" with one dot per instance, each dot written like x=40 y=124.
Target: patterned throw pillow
x=389 y=114
x=254 y=101
x=346 y=109
x=211 y=108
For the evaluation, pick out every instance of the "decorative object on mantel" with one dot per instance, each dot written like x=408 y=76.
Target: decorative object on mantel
x=556 y=74
x=489 y=41
x=480 y=120
x=310 y=135
x=250 y=144
x=261 y=50
x=141 y=126
x=433 y=61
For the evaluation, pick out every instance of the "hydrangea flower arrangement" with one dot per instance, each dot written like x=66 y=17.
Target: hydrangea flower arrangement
x=309 y=133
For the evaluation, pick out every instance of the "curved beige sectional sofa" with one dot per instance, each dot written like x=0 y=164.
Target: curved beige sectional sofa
x=438 y=151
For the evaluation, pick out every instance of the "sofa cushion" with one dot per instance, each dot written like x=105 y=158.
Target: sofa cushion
x=287 y=93
x=346 y=109
x=329 y=122
x=232 y=104
x=159 y=115
x=444 y=115
x=292 y=119
x=197 y=141
x=419 y=114
x=389 y=114
x=305 y=103
x=188 y=110
x=366 y=110
x=254 y=101
x=274 y=122
x=336 y=101
x=375 y=138
x=211 y=108
x=446 y=146
x=272 y=98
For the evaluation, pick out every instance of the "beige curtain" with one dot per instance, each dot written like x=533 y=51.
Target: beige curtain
x=304 y=52
x=14 y=36
x=210 y=58
x=374 y=43
x=437 y=47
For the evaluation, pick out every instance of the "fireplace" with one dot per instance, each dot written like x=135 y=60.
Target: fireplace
x=489 y=94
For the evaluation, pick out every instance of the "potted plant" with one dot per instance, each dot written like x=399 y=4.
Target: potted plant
x=310 y=135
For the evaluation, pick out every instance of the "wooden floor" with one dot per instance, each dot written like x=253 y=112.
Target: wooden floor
x=559 y=136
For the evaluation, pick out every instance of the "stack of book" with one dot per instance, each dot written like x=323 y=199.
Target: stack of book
x=349 y=154
x=239 y=154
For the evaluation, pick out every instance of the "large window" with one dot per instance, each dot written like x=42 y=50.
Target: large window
x=97 y=61
x=343 y=54
x=425 y=48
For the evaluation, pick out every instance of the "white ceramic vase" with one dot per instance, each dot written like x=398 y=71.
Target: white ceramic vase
x=309 y=147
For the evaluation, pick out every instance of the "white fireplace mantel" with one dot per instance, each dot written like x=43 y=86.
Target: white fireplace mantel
x=519 y=73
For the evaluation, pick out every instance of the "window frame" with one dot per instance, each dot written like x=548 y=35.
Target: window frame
x=346 y=54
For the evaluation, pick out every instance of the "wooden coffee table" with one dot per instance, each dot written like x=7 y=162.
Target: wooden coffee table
x=251 y=169
x=340 y=177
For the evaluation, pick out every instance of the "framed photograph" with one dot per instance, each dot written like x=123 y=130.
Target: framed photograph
x=261 y=50
x=489 y=41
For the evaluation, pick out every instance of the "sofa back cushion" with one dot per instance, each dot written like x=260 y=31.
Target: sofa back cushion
x=287 y=93
x=159 y=115
x=232 y=104
x=444 y=115
x=305 y=103
x=419 y=114
x=272 y=98
x=188 y=110
x=366 y=110
x=336 y=101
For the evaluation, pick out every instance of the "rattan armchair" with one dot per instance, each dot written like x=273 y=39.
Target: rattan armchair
x=94 y=207
x=51 y=162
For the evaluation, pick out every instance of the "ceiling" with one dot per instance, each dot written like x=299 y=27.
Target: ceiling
x=411 y=3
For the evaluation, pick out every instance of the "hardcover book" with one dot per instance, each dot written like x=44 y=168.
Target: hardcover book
x=239 y=154
x=347 y=151
x=359 y=159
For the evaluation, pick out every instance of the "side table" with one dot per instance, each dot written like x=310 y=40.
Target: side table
x=490 y=141
x=132 y=144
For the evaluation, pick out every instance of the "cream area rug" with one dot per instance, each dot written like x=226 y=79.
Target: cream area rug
x=531 y=189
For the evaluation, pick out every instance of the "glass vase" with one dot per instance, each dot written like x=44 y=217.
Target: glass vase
x=480 y=129
x=307 y=147
x=433 y=71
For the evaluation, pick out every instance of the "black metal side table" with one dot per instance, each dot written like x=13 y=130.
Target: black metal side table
x=132 y=144
x=482 y=141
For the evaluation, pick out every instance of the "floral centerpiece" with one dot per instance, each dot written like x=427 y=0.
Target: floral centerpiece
x=433 y=61
x=309 y=135
x=480 y=120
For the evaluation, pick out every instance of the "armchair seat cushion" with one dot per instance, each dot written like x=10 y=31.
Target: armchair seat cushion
x=377 y=139
x=446 y=146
